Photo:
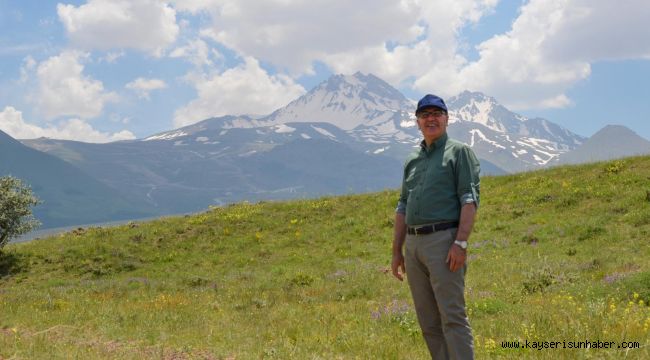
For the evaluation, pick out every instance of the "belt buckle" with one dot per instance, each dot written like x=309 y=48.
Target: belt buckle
x=415 y=230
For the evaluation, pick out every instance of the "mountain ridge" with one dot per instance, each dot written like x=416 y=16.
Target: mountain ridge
x=70 y=196
x=234 y=158
x=381 y=119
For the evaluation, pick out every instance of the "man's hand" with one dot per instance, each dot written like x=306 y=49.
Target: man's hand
x=396 y=265
x=456 y=257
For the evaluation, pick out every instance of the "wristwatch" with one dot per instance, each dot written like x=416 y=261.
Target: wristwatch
x=462 y=244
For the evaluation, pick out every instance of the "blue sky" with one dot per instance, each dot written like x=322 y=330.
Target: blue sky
x=103 y=70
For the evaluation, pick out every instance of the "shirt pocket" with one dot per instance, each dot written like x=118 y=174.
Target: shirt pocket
x=440 y=178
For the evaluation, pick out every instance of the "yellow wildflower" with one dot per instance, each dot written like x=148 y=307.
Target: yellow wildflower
x=490 y=344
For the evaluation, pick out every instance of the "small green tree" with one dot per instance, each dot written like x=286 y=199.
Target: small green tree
x=16 y=200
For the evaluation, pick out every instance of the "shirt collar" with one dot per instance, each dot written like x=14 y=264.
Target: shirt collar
x=436 y=144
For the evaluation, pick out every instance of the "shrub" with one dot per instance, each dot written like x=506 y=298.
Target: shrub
x=16 y=200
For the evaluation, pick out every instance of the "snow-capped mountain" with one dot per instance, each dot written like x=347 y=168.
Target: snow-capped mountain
x=347 y=102
x=509 y=140
x=377 y=119
x=351 y=133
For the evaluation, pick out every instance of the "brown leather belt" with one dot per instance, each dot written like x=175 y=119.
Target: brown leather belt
x=428 y=229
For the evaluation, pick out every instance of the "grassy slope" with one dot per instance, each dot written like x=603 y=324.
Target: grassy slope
x=556 y=255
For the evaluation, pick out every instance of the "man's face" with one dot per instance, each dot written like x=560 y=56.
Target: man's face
x=432 y=122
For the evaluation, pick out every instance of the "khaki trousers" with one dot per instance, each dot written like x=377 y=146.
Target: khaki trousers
x=438 y=295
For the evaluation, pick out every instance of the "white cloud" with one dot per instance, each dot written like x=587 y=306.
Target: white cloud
x=513 y=68
x=294 y=34
x=27 y=67
x=143 y=86
x=12 y=122
x=245 y=89
x=549 y=49
x=63 y=89
x=593 y=30
x=147 y=25
x=194 y=6
x=397 y=40
x=111 y=57
x=197 y=52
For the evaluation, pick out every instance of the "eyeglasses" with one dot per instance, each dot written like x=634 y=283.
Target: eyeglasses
x=436 y=114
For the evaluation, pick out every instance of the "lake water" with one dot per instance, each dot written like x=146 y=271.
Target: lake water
x=39 y=234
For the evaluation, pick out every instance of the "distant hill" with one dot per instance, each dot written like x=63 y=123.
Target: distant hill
x=69 y=195
x=611 y=142
x=191 y=169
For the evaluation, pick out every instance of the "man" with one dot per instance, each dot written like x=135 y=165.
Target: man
x=434 y=217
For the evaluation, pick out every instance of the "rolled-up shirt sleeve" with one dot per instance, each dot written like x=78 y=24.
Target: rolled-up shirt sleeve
x=403 y=197
x=467 y=175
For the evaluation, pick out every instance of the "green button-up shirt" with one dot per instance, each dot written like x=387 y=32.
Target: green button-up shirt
x=437 y=181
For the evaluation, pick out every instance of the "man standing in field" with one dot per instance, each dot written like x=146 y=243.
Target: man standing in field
x=434 y=217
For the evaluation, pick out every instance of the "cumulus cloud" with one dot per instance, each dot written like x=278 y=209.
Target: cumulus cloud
x=197 y=52
x=143 y=86
x=412 y=43
x=550 y=48
x=399 y=40
x=111 y=57
x=294 y=34
x=245 y=89
x=147 y=25
x=513 y=68
x=26 y=68
x=592 y=30
x=63 y=89
x=195 y=6
x=12 y=122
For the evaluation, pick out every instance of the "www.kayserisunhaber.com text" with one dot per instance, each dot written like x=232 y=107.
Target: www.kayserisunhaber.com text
x=586 y=344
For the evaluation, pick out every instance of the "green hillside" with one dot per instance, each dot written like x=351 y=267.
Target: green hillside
x=556 y=255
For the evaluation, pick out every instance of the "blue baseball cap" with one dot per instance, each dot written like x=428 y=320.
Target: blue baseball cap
x=431 y=101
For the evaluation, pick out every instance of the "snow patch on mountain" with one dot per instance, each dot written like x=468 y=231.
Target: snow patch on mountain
x=323 y=132
x=408 y=123
x=284 y=129
x=249 y=153
x=484 y=138
x=166 y=136
x=242 y=123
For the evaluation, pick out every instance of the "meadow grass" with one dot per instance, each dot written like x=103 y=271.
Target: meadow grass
x=556 y=255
